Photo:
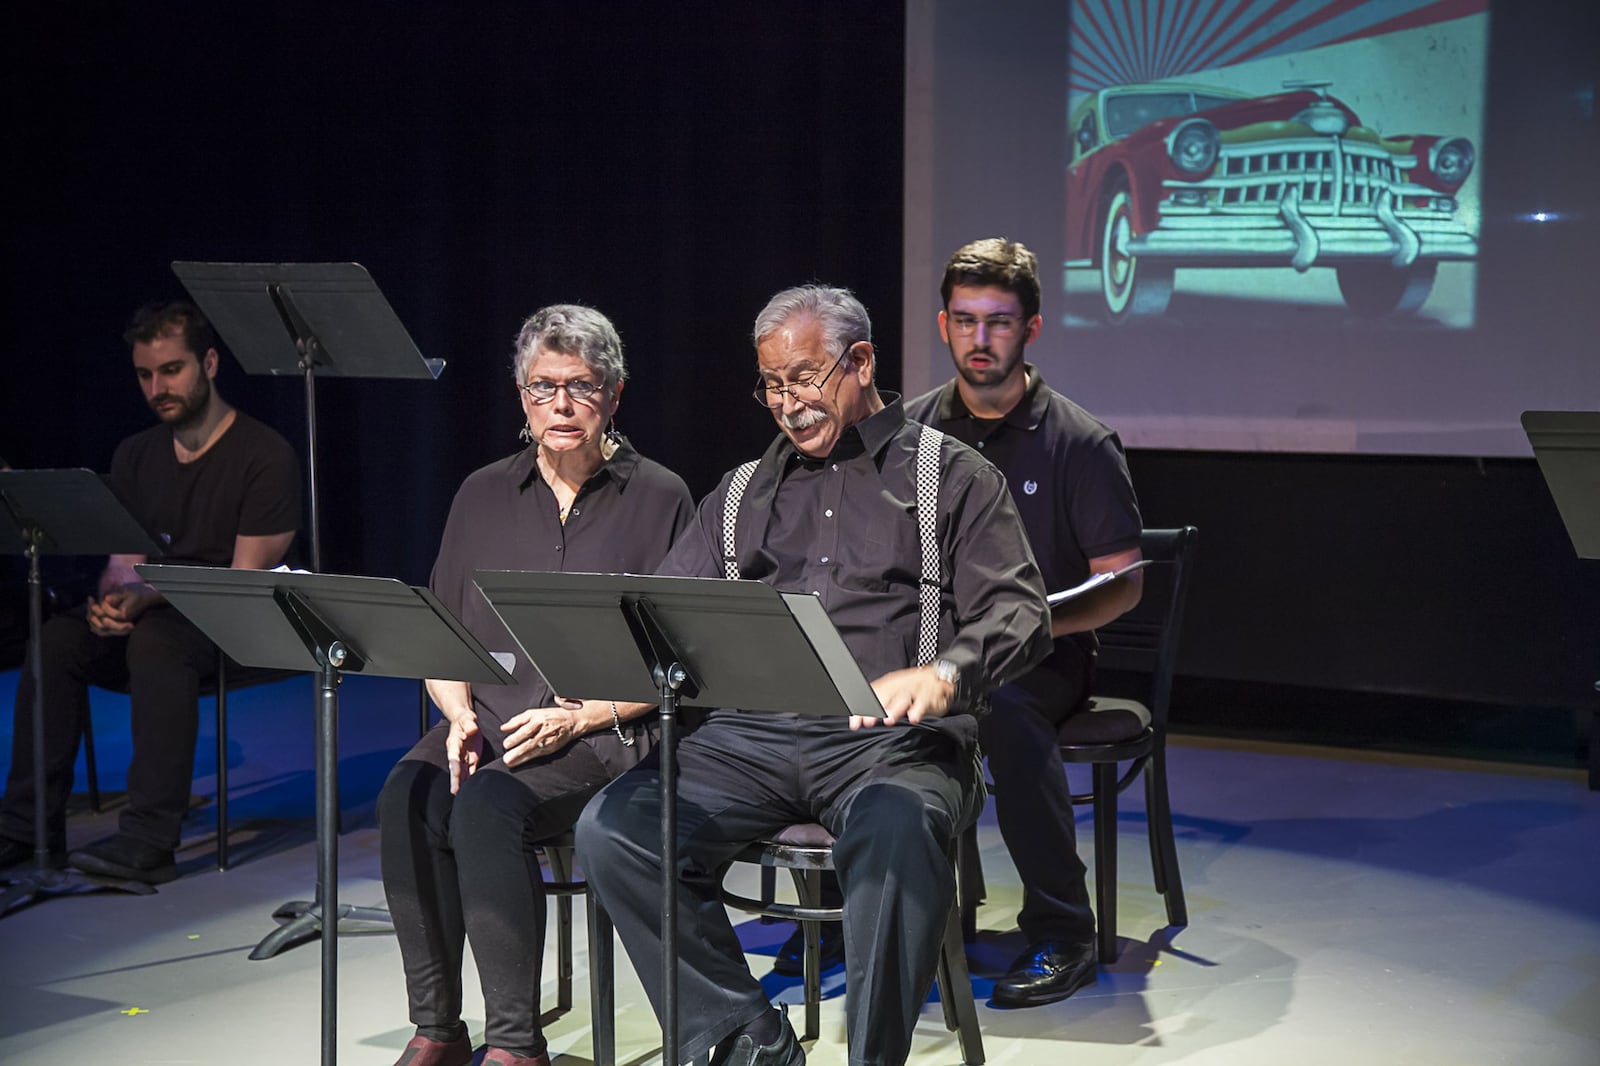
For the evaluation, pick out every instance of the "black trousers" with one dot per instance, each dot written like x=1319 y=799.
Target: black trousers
x=162 y=665
x=895 y=800
x=462 y=867
x=1033 y=804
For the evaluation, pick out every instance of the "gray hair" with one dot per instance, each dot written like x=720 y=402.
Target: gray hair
x=844 y=320
x=571 y=329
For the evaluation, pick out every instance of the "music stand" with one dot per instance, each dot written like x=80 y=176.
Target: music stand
x=1567 y=447
x=59 y=512
x=311 y=319
x=701 y=642
x=330 y=625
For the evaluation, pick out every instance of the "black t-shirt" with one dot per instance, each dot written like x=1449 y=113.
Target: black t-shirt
x=246 y=484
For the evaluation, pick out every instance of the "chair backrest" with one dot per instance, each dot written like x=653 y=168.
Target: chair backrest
x=1145 y=640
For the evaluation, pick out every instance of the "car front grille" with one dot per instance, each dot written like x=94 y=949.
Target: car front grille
x=1326 y=173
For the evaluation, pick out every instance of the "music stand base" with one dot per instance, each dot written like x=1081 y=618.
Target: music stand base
x=28 y=884
x=302 y=920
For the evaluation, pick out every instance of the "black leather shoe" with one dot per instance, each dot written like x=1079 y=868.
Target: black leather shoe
x=1046 y=973
x=126 y=859
x=784 y=1051
x=790 y=960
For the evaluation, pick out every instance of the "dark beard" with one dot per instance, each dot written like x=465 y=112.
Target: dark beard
x=190 y=409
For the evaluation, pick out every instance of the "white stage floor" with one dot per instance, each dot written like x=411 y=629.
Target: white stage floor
x=1343 y=909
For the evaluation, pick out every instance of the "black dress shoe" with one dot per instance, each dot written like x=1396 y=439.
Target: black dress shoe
x=1046 y=973
x=790 y=960
x=744 y=1051
x=126 y=859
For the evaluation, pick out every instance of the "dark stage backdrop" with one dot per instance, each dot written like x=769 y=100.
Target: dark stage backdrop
x=670 y=164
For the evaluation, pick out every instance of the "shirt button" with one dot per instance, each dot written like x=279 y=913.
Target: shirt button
x=823 y=559
x=558 y=547
x=980 y=444
x=573 y=513
x=836 y=466
x=828 y=512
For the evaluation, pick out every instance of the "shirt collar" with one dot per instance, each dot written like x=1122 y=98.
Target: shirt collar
x=620 y=467
x=1027 y=414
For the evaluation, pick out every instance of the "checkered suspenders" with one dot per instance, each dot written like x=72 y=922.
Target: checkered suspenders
x=928 y=442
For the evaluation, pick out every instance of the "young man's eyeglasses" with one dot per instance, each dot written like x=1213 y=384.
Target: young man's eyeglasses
x=995 y=325
x=580 y=391
x=807 y=391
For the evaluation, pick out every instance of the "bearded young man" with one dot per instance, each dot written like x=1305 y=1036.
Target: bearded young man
x=219 y=489
x=1069 y=479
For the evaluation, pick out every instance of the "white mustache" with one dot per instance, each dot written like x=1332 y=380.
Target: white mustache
x=803 y=419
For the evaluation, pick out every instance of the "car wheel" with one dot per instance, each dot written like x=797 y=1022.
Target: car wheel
x=1128 y=285
x=1375 y=289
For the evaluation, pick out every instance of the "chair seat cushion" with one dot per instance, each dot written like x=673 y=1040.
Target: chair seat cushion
x=805 y=835
x=1105 y=721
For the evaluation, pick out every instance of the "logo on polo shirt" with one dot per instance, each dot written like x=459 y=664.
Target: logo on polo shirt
x=1030 y=487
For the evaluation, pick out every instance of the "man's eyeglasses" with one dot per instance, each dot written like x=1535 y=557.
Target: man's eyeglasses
x=995 y=325
x=807 y=391
x=544 y=391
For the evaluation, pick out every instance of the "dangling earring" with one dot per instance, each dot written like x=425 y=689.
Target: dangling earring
x=526 y=434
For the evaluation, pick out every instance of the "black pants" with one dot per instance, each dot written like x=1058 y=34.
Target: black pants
x=894 y=798
x=463 y=867
x=1033 y=804
x=162 y=665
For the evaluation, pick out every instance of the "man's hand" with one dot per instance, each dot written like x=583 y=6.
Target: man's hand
x=113 y=614
x=911 y=695
x=541 y=731
x=463 y=746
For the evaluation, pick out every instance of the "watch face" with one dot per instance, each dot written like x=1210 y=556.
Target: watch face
x=946 y=671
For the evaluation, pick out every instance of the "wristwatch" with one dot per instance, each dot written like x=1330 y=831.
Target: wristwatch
x=948 y=672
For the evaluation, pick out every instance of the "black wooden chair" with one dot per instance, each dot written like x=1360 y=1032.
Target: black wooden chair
x=229 y=677
x=563 y=885
x=218 y=687
x=806 y=850
x=1112 y=731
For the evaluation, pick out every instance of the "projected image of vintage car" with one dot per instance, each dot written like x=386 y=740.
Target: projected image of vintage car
x=1168 y=176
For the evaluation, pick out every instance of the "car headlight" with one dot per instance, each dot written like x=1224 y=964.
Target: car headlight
x=1451 y=161
x=1193 y=146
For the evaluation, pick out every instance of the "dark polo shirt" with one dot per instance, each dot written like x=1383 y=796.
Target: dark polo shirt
x=504 y=517
x=1067 y=473
x=845 y=529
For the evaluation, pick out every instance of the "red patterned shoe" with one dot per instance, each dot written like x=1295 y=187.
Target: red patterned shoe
x=425 y=1052
x=501 y=1057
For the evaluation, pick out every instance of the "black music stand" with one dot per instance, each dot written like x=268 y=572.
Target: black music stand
x=701 y=642
x=330 y=625
x=1567 y=446
x=59 y=512
x=310 y=319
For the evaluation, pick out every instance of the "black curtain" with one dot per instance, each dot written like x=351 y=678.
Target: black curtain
x=670 y=164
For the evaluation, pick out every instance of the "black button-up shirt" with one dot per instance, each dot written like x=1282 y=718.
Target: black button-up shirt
x=504 y=517
x=845 y=529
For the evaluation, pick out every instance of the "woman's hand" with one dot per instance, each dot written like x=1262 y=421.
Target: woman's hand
x=463 y=746
x=541 y=731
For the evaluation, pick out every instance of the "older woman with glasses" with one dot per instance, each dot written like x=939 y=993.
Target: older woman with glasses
x=512 y=765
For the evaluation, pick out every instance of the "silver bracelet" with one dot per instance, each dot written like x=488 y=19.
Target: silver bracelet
x=616 y=724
